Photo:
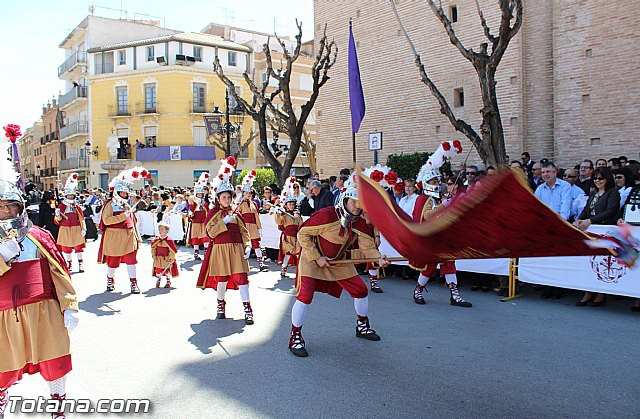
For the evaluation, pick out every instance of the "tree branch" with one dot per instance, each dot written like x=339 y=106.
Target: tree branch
x=445 y=109
x=442 y=16
x=506 y=31
x=487 y=30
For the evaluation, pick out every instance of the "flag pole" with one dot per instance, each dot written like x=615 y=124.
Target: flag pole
x=353 y=134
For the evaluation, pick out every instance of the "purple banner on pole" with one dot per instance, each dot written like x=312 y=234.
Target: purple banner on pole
x=356 y=96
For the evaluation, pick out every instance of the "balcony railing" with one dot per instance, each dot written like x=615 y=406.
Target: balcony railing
x=76 y=162
x=49 y=138
x=48 y=172
x=76 y=127
x=73 y=94
x=115 y=110
x=103 y=68
x=144 y=107
x=78 y=57
x=200 y=107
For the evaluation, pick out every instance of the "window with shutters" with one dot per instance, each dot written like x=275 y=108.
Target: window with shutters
x=199 y=136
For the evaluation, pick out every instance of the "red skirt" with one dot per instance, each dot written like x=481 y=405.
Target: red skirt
x=173 y=271
x=199 y=241
x=115 y=261
x=232 y=281
x=307 y=286
x=255 y=243
x=78 y=249
x=50 y=370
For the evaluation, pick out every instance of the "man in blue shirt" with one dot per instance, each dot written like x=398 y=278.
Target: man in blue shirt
x=555 y=193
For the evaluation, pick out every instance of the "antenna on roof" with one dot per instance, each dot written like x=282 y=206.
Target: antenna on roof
x=93 y=7
x=144 y=14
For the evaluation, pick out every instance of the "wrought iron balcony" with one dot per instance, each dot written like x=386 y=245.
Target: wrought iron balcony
x=71 y=95
x=77 y=58
x=76 y=127
x=115 y=110
x=146 y=107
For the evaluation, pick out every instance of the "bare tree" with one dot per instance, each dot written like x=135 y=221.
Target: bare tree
x=285 y=119
x=490 y=142
x=238 y=145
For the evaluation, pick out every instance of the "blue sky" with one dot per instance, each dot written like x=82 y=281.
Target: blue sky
x=31 y=31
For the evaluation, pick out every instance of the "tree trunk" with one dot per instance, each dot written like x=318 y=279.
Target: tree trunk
x=492 y=150
x=263 y=146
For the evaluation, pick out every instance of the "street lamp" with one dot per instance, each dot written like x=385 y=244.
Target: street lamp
x=228 y=126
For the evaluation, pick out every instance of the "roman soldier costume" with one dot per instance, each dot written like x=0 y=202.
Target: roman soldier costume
x=289 y=221
x=163 y=252
x=386 y=178
x=225 y=263
x=429 y=181
x=248 y=210
x=120 y=238
x=328 y=234
x=72 y=230
x=198 y=211
x=38 y=305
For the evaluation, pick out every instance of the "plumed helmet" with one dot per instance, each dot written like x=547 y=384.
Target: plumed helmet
x=16 y=227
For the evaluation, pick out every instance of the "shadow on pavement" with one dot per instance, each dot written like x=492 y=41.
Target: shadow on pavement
x=188 y=265
x=98 y=304
x=209 y=332
x=152 y=292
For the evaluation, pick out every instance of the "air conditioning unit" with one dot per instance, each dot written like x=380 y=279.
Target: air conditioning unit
x=190 y=60
x=161 y=61
x=181 y=59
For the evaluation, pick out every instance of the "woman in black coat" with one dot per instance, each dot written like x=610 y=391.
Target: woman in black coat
x=602 y=207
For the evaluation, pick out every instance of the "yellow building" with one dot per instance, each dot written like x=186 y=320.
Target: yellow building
x=148 y=99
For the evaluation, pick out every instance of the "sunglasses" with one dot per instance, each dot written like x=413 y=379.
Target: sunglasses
x=598 y=178
x=570 y=176
x=471 y=173
x=296 y=187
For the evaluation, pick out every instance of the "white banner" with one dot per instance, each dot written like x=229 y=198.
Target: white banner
x=588 y=273
x=146 y=223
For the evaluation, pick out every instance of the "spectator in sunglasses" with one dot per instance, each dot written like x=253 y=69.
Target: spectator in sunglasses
x=624 y=182
x=602 y=208
x=472 y=174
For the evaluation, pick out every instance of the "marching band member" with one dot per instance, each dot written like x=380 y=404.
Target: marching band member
x=38 y=304
x=429 y=181
x=120 y=238
x=198 y=217
x=70 y=218
x=225 y=264
x=326 y=236
x=163 y=252
x=289 y=221
x=248 y=210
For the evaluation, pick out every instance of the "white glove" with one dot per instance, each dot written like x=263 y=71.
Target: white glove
x=9 y=250
x=71 y=319
x=229 y=218
x=58 y=213
x=83 y=232
x=247 y=251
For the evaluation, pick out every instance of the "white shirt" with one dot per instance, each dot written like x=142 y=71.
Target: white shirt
x=408 y=202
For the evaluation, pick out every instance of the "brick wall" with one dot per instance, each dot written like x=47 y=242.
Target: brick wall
x=540 y=81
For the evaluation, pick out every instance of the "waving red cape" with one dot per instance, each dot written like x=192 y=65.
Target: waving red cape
x=500 y=219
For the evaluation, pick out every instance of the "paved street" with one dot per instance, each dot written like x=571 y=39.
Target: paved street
x=526 y=359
